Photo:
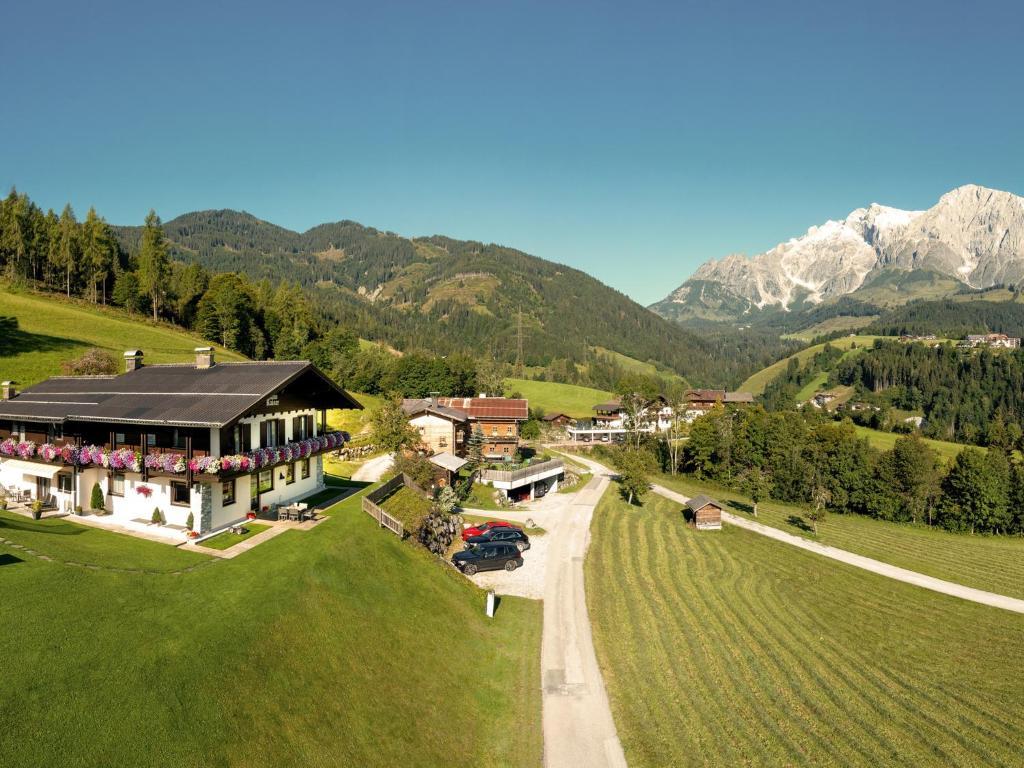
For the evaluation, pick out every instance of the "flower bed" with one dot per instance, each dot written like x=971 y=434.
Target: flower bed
x=127 y=460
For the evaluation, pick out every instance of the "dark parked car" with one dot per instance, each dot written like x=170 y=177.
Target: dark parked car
x=476 y=530
x=488 y=557
x=512 y=535
x=540 y=490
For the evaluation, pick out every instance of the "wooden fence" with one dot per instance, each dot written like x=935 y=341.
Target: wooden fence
x=372 y=501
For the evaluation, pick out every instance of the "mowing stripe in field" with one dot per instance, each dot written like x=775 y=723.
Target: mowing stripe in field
x=729 y=648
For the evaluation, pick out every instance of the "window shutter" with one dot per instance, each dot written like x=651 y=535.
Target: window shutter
x=246 y=438
x=264 y=430
x=280 y=432
x=309 y=425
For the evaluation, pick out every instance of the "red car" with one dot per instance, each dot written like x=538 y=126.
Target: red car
x=482 y=528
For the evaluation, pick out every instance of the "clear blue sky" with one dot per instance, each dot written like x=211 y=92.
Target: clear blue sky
x=633 y=140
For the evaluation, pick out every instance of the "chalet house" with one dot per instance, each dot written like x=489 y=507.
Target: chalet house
x=446 y=422
x=707 y=513
x=212 y=439
x=700 y=401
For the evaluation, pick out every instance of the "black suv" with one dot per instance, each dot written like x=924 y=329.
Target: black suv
x=494 y=535
x=487 y=557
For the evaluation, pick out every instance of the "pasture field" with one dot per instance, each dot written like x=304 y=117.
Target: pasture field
x=727 y=648
x=553 y=397
x=52 y=329
x=992 y=563
x=832 y=324
x=333 y=646
x=884 y=441
x=757 y=383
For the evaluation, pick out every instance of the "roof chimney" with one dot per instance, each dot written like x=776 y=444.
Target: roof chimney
x=132 y=360
x=8 y=390
x=433 y=399
x=204 y=357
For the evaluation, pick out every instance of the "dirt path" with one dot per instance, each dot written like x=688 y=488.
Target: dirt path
x=578 y=726
x=374 y=469
x=867 y=563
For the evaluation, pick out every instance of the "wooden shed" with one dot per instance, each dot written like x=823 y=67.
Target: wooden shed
x=707 y=513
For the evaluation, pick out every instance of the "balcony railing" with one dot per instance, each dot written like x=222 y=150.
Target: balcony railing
x=513 y=475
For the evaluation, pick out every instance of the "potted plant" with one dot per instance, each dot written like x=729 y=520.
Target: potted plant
x=190 y=521
x=37 y=509
x=250 y=515
x=158 y=517
x=3 y=505
x=193 y=534
x=78 y=510
x=144 y=490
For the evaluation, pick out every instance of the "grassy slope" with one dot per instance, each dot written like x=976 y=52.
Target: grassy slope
x=764 y=377
x=726 y=648
x=840 y=323
x=883 y=441
x=356 y=422
x=336 y=646
x=567 y=398
x=994 y=563
x=639 y=366
x=51 y=330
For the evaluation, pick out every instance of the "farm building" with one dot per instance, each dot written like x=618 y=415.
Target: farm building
x=707 y=513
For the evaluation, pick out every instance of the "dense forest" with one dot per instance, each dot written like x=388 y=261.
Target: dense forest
x=807 y=458
x=952 y=319
x=268 y=292
x=972 y=396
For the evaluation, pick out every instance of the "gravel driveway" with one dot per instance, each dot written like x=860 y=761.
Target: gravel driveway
x=527 y=581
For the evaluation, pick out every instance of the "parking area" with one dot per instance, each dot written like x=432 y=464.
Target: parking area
x=527 y=581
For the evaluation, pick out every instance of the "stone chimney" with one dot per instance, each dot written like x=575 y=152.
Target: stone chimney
x=204 y=357
x=433 y=399
x=8 y=390
x=132 y=360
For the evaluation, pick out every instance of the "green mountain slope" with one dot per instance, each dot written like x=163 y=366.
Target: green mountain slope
x=49 y=330
x=447 y=295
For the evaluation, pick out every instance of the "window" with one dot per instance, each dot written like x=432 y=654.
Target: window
x=119 y=438
x=266 y=481
x=304 y=466
x=442 y=442
x=510 y=430
x=289 y=474
x=64 y=483
x=150 y=441
x=505 y=449
x=302 y=427
x=179 y=439
x=227 y=491
x=181 y=495
x=494 y=430
x=117 y=485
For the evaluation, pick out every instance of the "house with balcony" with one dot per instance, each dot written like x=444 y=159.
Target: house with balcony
x=216 y=440
x=445 y=424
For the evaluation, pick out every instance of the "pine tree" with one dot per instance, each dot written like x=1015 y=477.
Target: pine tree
x=153 y=261
x=98 y=250
x=475 y=449
x=68 y=248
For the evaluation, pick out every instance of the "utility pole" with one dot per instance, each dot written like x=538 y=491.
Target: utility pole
x=519 y=345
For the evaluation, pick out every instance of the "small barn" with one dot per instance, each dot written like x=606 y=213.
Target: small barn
x=707 y=513
x=559 y=419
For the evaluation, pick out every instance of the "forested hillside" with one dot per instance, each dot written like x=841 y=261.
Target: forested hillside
x=972 y=396
x=266 y=291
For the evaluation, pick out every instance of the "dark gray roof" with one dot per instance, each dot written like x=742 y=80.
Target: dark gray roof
x=181 y=395
x=701 y=501
x=415 y=406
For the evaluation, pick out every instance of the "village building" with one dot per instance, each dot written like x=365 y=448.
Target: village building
x=700 y=401
x=707 y=513
x=216 y=440
x=994 y=340
x=558 y=419
x=446 y=424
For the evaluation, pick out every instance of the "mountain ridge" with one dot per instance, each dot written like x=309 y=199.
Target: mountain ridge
x=973 y=234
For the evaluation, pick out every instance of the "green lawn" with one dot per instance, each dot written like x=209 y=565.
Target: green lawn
x=727 y=648
x=408 y=506
x=757 y=383
x=553 y=397
x=353 y=421
x=334 y=646
x=585 y=478
x=226 y=540
x=52 y=330
x=482 y=497
x=993 y=563
x=884 y=441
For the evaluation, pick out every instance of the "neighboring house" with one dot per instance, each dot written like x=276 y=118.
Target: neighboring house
x=497 y=418
x=707 y=513
x=700 y=401
x=558 y=419
x=447 y=422
x=443 y=429
x=821 y=399
x=213 y=439
x=996 y=340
